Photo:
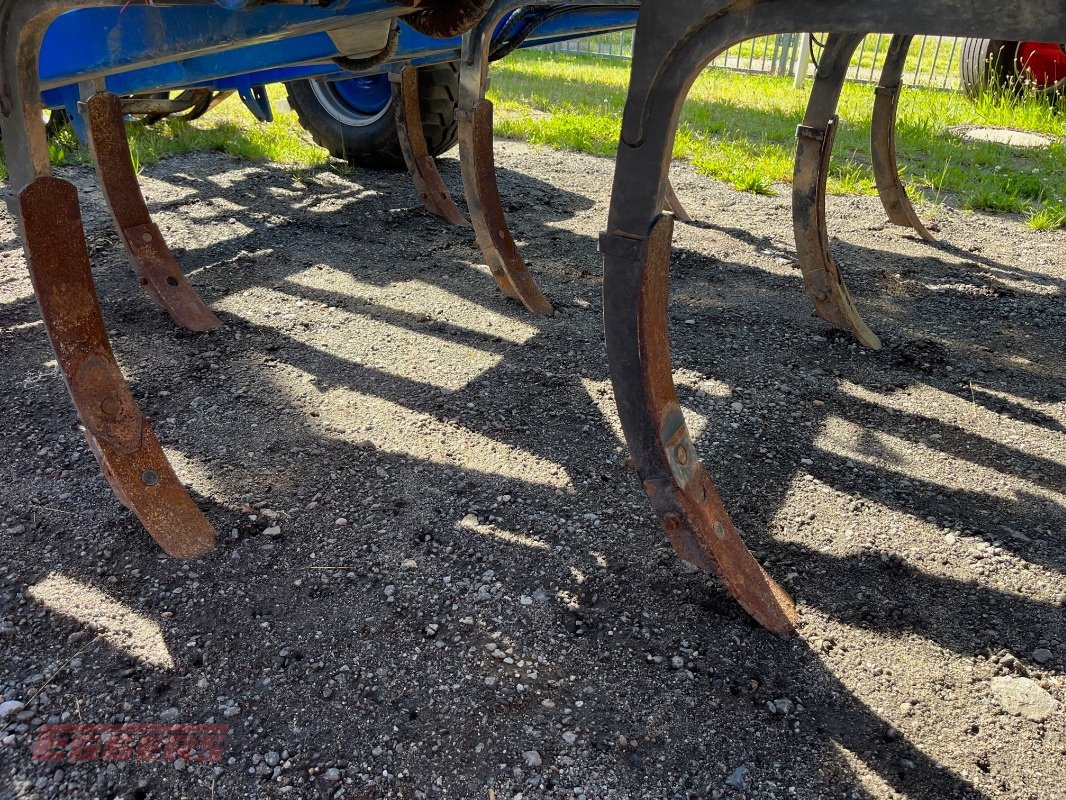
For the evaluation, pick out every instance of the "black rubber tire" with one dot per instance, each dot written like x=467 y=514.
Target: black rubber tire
x=377 y=145
x=987 y=65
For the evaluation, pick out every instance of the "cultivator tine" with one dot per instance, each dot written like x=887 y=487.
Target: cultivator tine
x=486 y=210
x=478 y=164
x=673 y=204
x=883 y=141
x=422 y=166
x=636 y=289
x=117 y=432
x=822 y=278
x=636 y=252
x=149 y=255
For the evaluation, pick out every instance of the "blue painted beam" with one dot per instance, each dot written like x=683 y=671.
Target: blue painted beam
x=93 y=42
x=310 y=56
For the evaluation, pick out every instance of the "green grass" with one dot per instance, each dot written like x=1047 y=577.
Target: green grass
x=1048 y=217
x=938 y=56
x=741 y=129
x=737 y=128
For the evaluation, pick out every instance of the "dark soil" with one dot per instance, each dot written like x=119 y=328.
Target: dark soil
x=436 y=576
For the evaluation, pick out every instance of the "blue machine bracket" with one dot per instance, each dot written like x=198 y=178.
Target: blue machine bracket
x=93 y=42
x=256 y=100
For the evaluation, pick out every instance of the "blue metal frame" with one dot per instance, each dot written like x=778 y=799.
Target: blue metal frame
x=90 y=42
x=141 y=49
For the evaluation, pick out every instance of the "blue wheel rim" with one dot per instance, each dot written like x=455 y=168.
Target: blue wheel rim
x=369 y=95
x=355 y=102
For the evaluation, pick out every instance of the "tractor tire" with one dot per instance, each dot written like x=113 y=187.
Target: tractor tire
x=354 y=119
x=57 y=120
x=987 y=65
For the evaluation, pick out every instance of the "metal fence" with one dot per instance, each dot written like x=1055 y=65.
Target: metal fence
x=933 y=61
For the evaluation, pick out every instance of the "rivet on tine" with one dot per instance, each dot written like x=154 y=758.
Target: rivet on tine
x=150 y=477
x=672 y=522
x=682 y=455
x=146 y=237
x=719 y=530
x=111 y=407
x=822 y=296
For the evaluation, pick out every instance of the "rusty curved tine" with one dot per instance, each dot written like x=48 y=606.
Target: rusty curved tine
x=422 y=166
x=151 y=259
x=822 y=279
x=636 y=289
x=117 y=432
x=477 y=162
x=50 y=224
x=673 y=204
x=636 y=249
x=883 y=140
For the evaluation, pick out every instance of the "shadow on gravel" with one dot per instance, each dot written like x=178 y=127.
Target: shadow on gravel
x=331 y=653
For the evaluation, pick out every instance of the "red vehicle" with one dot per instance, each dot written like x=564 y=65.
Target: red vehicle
x=1038 y=67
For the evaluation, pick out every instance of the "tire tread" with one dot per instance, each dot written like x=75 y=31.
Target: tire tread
x=377 y=146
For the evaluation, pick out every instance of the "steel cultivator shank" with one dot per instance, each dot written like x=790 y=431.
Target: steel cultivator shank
x=822 y=278
x=423 y=168
x=675 y=39
x=478 y=166
x=149 y=255
x=883 y=140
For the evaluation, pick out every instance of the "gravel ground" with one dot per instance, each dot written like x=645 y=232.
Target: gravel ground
x=436 y=576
